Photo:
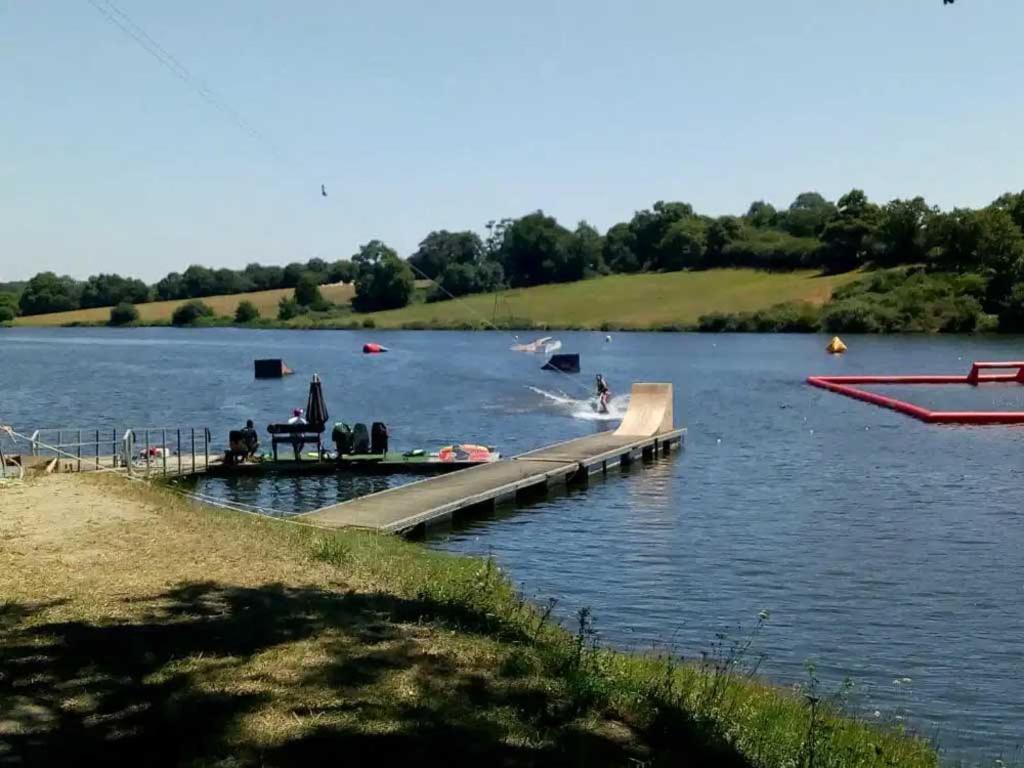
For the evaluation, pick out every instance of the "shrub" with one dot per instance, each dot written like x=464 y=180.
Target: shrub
x=858 y=316
x=962 y=315
x=369 y=323
x=307 y=293
x=792 y=317
x=123 y=314
x=191 y=312
x=288 y=308
x=246 y=312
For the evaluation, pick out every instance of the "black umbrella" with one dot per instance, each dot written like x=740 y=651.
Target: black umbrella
x=316 y=408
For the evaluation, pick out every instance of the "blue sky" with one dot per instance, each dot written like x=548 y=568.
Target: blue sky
x=423 y=116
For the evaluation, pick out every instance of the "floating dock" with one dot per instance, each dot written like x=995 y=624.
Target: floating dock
x=646 y=430
x=849 y=386
x=363 y=464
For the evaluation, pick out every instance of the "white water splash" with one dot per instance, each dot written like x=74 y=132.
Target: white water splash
x=585 y=409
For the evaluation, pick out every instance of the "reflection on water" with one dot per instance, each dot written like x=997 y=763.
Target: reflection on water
x=283 y=495
x=886 y=550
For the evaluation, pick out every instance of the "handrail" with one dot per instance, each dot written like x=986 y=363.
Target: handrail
x=95 y=448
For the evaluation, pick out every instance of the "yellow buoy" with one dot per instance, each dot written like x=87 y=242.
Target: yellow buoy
x=836 y=346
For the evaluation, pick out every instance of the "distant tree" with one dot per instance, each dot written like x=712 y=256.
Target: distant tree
x=441 y=248
x=849 y=233
x=170 y=288
x=769 y=249
x=383 y=281
x=807 y=215
x=228 y=281
x=123 y=314
x=8 y=307
x=463 y=279
x=495 y=238
x=649 y=228
x=46 y=292
x=246 y=312
x=720 y=233
x=619 y=250
x=536 y=250
x=1001 y=251
x=953 y=240
x=14 y=286
x=264 y=278
x=902 y=232
x=761 y=215
x=1013 y=204
x=586 y=251
x=291 y=275
x=191 y=312
x=1011 y=313
x=107 y=290
x=684 y=245
x=341 y=271
x=318 y=267
x=307 y=292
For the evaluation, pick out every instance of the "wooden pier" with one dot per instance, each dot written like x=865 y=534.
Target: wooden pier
x=647 y=431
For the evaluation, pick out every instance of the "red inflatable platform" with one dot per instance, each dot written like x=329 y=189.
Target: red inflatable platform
x=847 y=385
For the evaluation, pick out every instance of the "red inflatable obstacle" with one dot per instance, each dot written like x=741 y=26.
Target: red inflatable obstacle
x=373 y=349
x=846 y=385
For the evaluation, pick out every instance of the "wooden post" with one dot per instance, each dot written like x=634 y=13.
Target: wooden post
x=193 y=468
x=147 y=452
x=179 y=451
x=78 y=450
x=163 y=449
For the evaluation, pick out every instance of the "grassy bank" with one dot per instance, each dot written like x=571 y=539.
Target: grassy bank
x=144 y=630
x=638 y=302
x=160 y=312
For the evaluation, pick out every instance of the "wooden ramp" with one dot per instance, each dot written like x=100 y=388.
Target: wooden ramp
x=408 y=507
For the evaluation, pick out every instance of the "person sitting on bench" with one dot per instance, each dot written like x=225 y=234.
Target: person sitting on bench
x=297 y=418
x=297 y=432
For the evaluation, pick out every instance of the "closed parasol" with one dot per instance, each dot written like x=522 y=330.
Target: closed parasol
x=316 y=408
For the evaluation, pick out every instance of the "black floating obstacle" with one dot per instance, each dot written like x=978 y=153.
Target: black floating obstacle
x=271 y=369
x=563 y=363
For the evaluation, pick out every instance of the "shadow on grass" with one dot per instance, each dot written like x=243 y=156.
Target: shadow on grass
x=152 y=691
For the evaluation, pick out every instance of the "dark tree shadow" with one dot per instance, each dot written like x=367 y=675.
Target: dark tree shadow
x=81 y=693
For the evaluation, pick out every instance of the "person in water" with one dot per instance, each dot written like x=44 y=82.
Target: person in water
x=603 y=393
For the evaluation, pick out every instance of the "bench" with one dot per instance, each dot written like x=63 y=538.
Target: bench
x=298 y=436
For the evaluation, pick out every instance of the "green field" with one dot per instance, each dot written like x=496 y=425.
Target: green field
x=624 y=301
x=635 y=302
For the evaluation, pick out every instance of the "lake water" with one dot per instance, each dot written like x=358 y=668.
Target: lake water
x=886 y=550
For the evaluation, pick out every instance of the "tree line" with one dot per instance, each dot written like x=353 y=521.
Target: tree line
x=535 y=249
x=49 y=292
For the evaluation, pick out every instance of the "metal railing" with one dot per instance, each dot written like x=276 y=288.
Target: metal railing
x=140 y=449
